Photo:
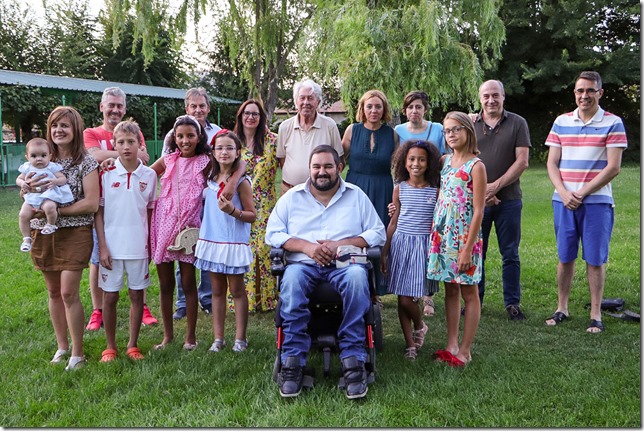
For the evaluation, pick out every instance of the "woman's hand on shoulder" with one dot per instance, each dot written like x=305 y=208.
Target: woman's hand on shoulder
x=107 y=164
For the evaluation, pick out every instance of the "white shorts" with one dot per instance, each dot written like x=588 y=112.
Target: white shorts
x=137 y=270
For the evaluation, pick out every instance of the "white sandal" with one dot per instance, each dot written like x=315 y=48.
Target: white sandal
x=26 y=244
x=59 y=356
x=48 y=229
x=428 y=309
x=240 y=345
x=217 y=346
x=75 y=362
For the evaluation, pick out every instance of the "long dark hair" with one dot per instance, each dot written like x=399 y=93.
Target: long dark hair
x=215 y=165
x=260 y=132
x=399 y=162
x=188 y=120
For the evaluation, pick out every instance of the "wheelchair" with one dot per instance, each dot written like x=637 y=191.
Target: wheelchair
x=325 y=305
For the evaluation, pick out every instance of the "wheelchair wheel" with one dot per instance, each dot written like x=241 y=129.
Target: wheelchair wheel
x=378 y=336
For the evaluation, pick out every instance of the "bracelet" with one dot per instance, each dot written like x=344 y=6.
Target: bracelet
x=240 y=215
x=231 y=212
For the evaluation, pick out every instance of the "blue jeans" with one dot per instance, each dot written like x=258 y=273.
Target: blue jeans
x=506 y=217
x=298 y=282
x=204 y=290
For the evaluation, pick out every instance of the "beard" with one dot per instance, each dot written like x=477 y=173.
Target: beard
x=321 y=185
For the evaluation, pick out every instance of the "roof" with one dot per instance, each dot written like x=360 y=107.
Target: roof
x=91 y=85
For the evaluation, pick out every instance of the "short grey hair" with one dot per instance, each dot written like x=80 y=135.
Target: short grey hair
x=591 y=76
x=307 y=83
x=112 y=91
x=196 y=92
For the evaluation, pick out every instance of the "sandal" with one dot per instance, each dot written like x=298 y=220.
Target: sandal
x=59 y=356
x=218 y=345
x=134 y=353
x=558 y=317
x=48 y=229
x=411 y=353
x=428 y=303
x=189 y=346
x=240 y=345
x=443 y=356
x=26 y=244
x=75 y=362
x=419 y=336
x=595 y=324
x=108 y=355
x=456 y=363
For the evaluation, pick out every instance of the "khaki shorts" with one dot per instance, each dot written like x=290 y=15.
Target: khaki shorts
x=67 y=249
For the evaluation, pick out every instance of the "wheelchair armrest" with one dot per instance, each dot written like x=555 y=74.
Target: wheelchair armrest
x=277 y=261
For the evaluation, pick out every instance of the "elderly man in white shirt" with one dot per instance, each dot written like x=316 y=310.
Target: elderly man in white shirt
x=310 y=222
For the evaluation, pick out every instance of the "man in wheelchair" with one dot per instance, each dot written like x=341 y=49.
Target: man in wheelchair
x=310 y=222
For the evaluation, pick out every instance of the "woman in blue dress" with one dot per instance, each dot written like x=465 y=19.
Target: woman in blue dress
x=368 y=147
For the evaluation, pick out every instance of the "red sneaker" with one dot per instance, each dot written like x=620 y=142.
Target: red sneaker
x=95 y=321
x=148 y=319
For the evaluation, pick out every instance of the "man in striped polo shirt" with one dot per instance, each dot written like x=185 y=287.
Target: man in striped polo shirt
x=585 y=154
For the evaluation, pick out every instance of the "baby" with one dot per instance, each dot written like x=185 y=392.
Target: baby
x=46 y=197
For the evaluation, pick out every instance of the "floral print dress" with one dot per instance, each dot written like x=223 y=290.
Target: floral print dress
x=260 y=284
x=452 y=219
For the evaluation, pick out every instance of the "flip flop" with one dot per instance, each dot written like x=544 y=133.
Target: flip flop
x=558 y=317
x=108 y=355
x=456 y=363
x=443 y=356
x=134 y=353
x=595 y=324
x=189 y=346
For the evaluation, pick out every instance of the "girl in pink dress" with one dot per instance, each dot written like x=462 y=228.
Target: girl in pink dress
x=179 y=204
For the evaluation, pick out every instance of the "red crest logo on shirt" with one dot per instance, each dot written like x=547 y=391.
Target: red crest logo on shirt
x=143 y=186
x=116 y=184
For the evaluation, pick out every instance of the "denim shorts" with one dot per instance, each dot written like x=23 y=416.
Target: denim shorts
x=94 y=260
x=590 y=223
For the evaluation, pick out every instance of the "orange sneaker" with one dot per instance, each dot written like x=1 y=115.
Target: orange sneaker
x=148 y=319
x=95 y=321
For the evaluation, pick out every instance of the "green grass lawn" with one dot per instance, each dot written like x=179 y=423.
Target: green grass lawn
x=523 y=374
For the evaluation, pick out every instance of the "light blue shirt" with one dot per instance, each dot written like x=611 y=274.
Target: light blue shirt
x=297 y=214
x=433 y=133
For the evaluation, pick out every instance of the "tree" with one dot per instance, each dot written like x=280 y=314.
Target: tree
x=550 y=41
x=260 y=36
x=437 y=46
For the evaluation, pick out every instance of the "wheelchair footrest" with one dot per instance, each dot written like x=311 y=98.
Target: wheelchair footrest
x=371 y=377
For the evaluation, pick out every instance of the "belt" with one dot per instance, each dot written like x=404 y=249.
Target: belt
x=287 y=184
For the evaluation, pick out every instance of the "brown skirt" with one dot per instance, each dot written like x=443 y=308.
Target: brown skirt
x=67 y=249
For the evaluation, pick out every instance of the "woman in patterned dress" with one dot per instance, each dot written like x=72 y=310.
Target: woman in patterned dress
x=260 y=152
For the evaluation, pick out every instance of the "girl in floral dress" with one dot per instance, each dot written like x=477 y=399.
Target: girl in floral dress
x=455 y=242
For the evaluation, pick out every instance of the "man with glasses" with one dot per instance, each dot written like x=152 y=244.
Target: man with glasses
x=503 y=139
x=299 y=135
x=585 y=154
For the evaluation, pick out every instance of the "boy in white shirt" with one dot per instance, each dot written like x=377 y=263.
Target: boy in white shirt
x=128 y=194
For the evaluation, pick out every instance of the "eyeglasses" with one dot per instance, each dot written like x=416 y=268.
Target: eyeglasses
x=589 y=91
x=454 y=129
x=251 y=114
x=229 y=148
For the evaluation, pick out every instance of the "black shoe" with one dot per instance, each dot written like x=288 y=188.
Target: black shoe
x=355 y=377
x=179 y=314
x=514 y=312
x=291 y=377
x=207 y=309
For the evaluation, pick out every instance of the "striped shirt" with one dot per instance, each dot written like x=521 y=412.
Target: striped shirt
x=416 y=209
x=583 y=150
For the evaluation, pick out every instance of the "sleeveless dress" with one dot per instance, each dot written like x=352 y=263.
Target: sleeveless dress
x=184 y=181
x=407 y=259
x=59 y=194
x=371 y=171
x=452 y=219
x=223 y=239
x=260 y=284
